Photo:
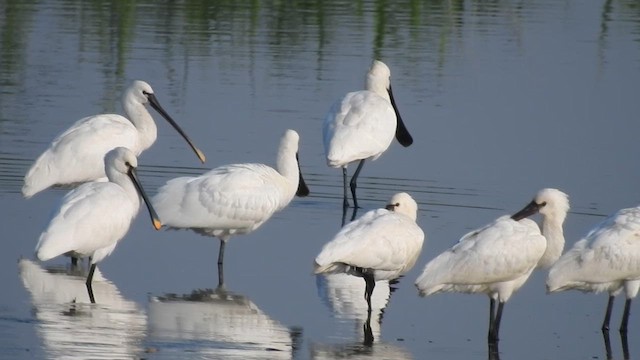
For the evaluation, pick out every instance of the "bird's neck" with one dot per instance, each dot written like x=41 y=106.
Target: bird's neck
x=287 y=165
x=125 y=183
x=142 y=120
x=378 y=87
x=553 y=232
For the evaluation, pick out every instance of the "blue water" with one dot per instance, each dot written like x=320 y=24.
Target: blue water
x=502 y=99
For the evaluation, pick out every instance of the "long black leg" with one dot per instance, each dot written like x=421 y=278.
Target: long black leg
x=607 y=345
x=355 y=212
x=370 y=284
x=354 y=181
x=494 y=351
x=625 y=346
x=498 y=319
x=494 y=327
x=492 y=316
x=88 y=283
x=625 y=317
x=74 y=262
x=345 y=200
x=368 y=333
x=221 y=263
x=607 y=315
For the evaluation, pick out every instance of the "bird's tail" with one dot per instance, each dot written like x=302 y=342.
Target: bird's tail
x=567 y=270
x=431 y=279
x=39 y=176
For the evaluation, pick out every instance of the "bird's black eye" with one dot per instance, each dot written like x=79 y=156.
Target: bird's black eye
x=544 y=203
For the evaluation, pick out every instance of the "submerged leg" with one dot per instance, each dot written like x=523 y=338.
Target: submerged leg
x=221 y=263
x=354 y=181
x=88 y=283
x=345 y=200
x=367 y=332
x=625 y=317
x=607 y=315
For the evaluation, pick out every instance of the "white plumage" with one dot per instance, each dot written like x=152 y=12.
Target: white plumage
x=92 y=218
x=77 y=155
x=382 y=244
x=232 y=199
x=606 y=259
x=497 y=259
x=361 y=125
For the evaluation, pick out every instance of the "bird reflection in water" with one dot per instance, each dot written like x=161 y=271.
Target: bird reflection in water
x=220 y=323
x=342 y=293
x=73 y=328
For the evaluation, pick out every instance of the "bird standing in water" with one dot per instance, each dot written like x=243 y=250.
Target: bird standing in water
x=382 y=244
x=92 y=218
x=499 y=258
x=361 y=125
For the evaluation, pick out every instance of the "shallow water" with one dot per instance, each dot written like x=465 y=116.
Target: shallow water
x=502 y=99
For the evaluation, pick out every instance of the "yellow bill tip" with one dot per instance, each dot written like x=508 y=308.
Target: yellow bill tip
x=157 y=224
x=200 y=155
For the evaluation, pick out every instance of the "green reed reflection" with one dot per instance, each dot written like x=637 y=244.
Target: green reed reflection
x=411 y=31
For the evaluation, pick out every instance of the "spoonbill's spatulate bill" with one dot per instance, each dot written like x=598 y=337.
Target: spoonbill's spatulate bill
x=233 y=199
x=77 y=155
x=497 y=259
x=95 y=216
x=361 y=125
x=382 y=244
x=607 y=259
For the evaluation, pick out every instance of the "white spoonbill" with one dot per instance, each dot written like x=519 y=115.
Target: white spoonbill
x=95 y=216
x=232 y=199
x=382 y=244
x=607 y=259
x=497 y=259
x=361 y=125
x=77 y=155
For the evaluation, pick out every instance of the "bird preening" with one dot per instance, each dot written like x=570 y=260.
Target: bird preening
x=383 y=244
x=498 y=258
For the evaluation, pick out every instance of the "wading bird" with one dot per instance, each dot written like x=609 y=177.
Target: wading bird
x=361 y=125
x=497 y=259
x=607 y=259
x=382 y=244
x=232 y=199
x=77 y=155
x=95 y=216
